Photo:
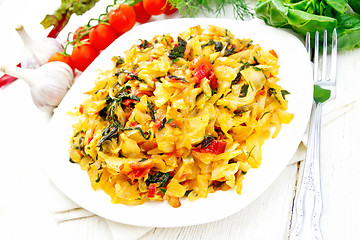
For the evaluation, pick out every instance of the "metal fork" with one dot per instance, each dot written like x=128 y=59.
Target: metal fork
x=308 y=205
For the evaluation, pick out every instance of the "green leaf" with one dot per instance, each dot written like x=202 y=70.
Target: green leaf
x=348 y=31
x=273 y=12
x=355 y=5
x=338 y=5
x=303 y=22
x=314 y=15
x=321 y=94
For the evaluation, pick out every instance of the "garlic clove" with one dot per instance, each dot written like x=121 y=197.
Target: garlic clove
x=37 y=52
x=48 y=83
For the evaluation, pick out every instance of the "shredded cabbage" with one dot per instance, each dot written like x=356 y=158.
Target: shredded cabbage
x=179 y=117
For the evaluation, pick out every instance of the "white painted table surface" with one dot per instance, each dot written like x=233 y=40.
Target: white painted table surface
x=24 y=205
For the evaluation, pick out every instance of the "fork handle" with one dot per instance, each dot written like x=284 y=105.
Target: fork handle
x=309 y=201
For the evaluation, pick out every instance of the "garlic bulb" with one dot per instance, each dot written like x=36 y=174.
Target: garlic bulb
x=48 y=83
x=37 y=52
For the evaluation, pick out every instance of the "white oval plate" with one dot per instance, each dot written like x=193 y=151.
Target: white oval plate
x=295 y=75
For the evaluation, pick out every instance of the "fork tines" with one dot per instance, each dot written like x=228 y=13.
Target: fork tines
x=315 y=55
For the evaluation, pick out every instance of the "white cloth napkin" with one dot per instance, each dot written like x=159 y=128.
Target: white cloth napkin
x=65 y=210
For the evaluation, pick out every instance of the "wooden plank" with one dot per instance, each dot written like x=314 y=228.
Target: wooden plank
x=254 y=222
x=340 y=155
x=89 y=228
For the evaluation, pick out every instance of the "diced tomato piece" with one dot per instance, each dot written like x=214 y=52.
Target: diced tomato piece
x=175 y=124
x=217 y=185
x=213 y=81
x=176 y=152
x=174 y=202
x=152 y=58
x=140 y=169
x=132 y=124
x=202 y=59
x=272 y=51
x=81 y=109
x=201 y=72
x=152 y=190
x=139 y=93
x=127 y=115
x=216 y=147
x=121 y=167
x=157 y=123
x=127 y=102
x=262 y=92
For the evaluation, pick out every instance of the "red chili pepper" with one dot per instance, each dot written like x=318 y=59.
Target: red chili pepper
x=7 y=79
x=216 y=147
x=152 y=190
x=61 y=24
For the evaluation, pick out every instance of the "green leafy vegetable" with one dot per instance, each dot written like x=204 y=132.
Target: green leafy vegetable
x=178 y=50
x=321 y=94
x=284 y=93
x=98 y=177
x=177 y=78
x=348 y=31
x=130 y=74
x=229 y=51
x=208 y=139
x=273 y=92
x=313 y=15
x=244 y=90
x=209 y=43
x=145 y=44
x=151 y=107
x=162 y=125
x=355 y=5
x=118 y=61
x=66 y=9
x=158 y=177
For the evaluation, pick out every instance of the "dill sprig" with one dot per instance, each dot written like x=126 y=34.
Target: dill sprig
x=192 y=8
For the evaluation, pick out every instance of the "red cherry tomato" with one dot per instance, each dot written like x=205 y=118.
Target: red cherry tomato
x=101 y=36
x=169 y=9
x=60 y=57
x=122 y=19
x=142 y=16
x=82 y=31
x=82 y=55
x=154 y=7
